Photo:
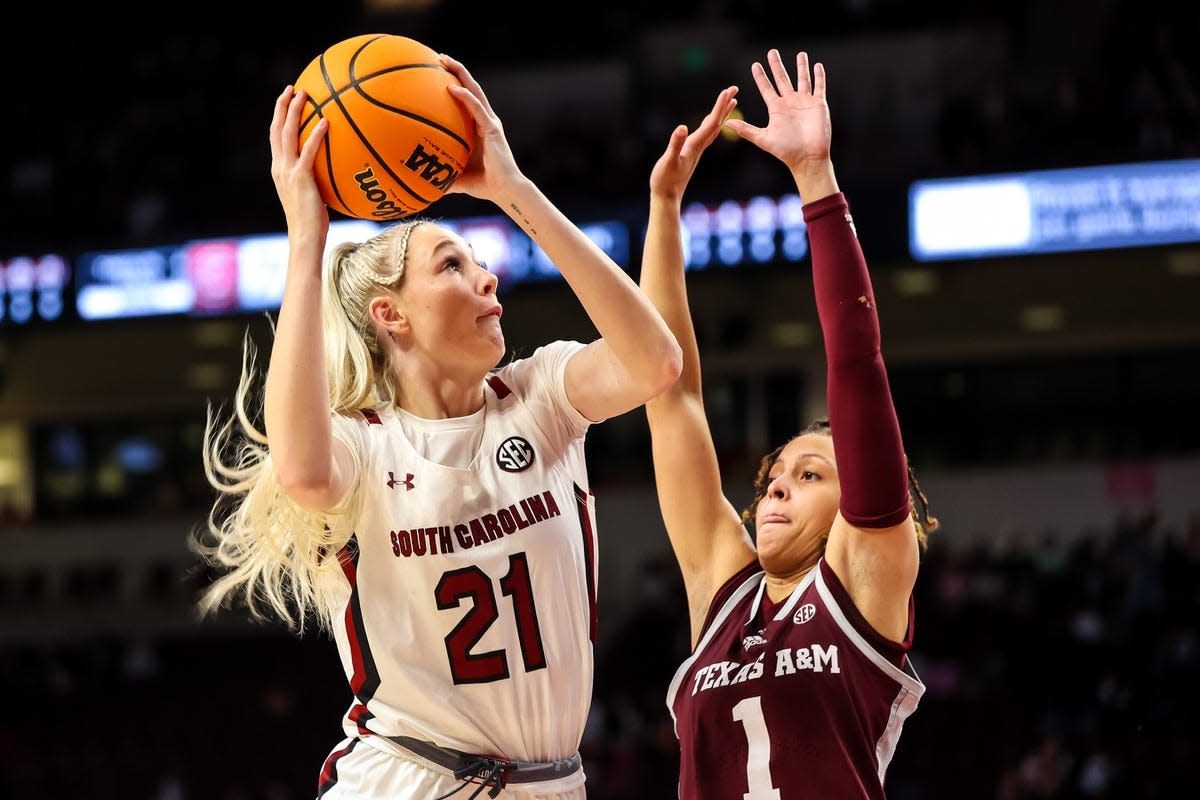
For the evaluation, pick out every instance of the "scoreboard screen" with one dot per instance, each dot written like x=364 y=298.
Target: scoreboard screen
x=1088 y=208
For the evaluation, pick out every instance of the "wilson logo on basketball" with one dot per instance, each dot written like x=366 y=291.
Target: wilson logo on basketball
x=515 y=455
x=804 y=613
x=435 y=172
x=369 y=185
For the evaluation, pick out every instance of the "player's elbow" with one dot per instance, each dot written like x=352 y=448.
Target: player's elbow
x=308 y=487
x=669 y=367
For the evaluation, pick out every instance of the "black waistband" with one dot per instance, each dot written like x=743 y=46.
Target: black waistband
x=514 y=771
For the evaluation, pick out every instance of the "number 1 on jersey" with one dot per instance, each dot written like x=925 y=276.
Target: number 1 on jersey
x=758 y=750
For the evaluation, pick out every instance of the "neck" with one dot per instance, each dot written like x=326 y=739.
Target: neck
x=431 y=391
x=781 y=585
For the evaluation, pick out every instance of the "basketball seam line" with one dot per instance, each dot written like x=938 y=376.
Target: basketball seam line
x=318 y=107
x=329 y=146
x=366 y=143
x=357 y=85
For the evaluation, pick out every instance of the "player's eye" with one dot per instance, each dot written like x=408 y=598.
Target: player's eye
x=453 y=262
x=809 y=475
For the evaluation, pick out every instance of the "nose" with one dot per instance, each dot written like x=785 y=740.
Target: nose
x=489 y=281
x=778 y=488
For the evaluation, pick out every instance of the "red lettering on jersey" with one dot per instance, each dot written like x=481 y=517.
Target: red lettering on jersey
x=460 y=532
x=539 y=509
x=477 y=533
x=551 y=506
x=486 y=528
x=528 y=520
x=492 y=526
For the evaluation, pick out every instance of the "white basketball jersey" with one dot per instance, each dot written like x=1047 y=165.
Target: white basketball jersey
x=471 y=606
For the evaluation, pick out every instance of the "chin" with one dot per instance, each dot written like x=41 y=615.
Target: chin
x=771 y=543
x=492 y=351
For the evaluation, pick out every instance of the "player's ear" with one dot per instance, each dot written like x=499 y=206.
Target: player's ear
x=387 y=314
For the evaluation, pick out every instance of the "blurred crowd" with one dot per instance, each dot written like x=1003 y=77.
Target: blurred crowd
x=1053 y=671
x=165 y=138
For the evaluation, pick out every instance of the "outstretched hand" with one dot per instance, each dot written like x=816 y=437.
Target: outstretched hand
x=292 y=166
x=798 y=130
x=491 y=166
x=674 y=168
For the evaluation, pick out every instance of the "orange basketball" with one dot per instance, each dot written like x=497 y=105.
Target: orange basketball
x=397 y=139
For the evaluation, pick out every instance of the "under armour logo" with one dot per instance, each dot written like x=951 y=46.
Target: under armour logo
x=407 y=483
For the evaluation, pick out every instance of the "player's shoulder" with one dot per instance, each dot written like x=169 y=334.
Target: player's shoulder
x=547 y=352
x=544 y=362
x=367 y=417
x=737 y=590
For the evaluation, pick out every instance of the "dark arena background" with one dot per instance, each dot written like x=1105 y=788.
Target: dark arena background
x=1025 y=178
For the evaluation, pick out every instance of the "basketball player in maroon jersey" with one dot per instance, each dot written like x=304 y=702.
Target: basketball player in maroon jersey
x=799 y=681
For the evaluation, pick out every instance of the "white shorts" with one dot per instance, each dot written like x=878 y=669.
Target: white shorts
x=367 y=769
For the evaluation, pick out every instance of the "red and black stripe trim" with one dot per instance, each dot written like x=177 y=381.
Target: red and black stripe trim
x=589 y=553
x=499 y=387
x=329 y=772
x=365 y=680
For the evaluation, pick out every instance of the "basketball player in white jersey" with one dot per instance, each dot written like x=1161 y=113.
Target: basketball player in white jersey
x=431 y=510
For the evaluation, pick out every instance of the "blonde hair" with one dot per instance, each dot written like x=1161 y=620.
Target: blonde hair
x=272 y=551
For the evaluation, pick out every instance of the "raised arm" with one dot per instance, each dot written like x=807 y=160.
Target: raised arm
x=705 y=530
x=313 y=468
x=873 y=543
x=636 y=356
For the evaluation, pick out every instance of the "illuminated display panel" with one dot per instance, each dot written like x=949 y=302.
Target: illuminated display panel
x=33 y=289
x=246 y=274
x=1088 y=208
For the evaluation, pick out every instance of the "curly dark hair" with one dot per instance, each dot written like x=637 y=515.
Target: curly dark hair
x=926 y=522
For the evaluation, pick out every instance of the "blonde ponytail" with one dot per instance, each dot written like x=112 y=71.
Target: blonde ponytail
x=273 y=553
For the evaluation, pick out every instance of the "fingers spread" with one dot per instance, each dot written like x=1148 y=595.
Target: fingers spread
x=803 y=83
x=308 y=153
x=281 y=107
x=783 y=83
x=465 y=96
x=744 y=130
x=764 y=84
x=678 y=137
x=291 y=125
x=459 y=70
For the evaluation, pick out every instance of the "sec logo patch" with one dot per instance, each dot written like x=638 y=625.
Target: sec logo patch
x=514 y=455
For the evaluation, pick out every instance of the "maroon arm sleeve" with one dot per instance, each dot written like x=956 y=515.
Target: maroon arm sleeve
x=872 y=467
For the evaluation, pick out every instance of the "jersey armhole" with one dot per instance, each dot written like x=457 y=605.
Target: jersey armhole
x=895 y=652
x=722 y=594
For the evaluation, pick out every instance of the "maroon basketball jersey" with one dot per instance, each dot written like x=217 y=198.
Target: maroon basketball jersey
x=790 y=702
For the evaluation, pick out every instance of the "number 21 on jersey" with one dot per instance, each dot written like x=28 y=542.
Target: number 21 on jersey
x=472 y=582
